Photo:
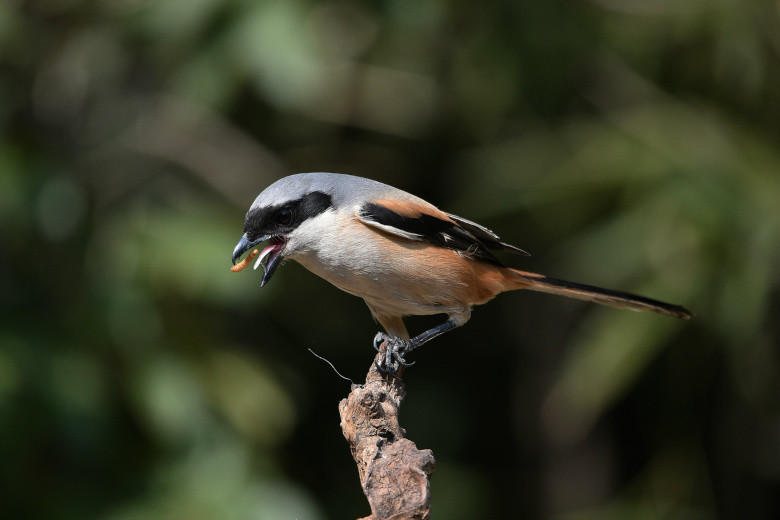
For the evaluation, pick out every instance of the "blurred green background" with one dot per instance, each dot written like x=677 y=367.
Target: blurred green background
x=632 y=144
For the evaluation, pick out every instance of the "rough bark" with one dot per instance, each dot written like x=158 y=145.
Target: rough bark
x=394 y=474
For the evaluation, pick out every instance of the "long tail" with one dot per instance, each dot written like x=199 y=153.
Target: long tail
x=624 y=300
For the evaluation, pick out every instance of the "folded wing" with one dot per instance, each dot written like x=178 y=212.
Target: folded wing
x=424 y=222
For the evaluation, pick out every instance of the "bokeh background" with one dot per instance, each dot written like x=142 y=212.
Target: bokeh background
x=633 y=144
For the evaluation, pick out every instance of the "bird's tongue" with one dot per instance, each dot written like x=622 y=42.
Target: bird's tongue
x=271 y=249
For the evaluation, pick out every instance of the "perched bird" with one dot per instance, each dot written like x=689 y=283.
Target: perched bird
x=401 y=254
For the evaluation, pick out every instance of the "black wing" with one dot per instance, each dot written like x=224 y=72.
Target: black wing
x=463 y=236
x=487 y=237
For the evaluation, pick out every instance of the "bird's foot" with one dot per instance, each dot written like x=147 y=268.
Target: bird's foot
x=395 y=348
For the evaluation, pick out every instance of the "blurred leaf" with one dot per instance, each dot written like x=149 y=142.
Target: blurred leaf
x=289 y=70
x=170 y=400
x=631 y=144
x=600 y=367
x=248 y=394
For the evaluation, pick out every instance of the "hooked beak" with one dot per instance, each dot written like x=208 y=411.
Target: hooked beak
x=244 y=245
x=273 y=251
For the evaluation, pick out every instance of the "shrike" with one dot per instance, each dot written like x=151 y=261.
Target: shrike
x=401 y=254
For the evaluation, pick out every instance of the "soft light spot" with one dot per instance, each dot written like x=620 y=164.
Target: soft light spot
x=61 y=206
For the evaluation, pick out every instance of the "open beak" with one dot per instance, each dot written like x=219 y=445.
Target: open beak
x=273 y=251
x=244 y=245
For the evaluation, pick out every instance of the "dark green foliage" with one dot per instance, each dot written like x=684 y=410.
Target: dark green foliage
x=632 y=145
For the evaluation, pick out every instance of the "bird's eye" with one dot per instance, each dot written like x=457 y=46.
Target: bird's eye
x=285 y=216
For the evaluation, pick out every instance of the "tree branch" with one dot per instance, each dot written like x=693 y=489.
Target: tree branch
x=394 y=474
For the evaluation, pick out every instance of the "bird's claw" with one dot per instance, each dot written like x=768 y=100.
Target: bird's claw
x=395 y=348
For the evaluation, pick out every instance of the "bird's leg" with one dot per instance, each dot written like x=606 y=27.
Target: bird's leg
x=396 y=347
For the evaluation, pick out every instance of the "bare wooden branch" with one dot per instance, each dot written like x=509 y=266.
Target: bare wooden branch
x=394 y=474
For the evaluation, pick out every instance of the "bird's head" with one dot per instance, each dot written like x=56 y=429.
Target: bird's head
x=275 y=216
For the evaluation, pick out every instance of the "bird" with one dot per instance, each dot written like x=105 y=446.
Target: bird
x=402 y=255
